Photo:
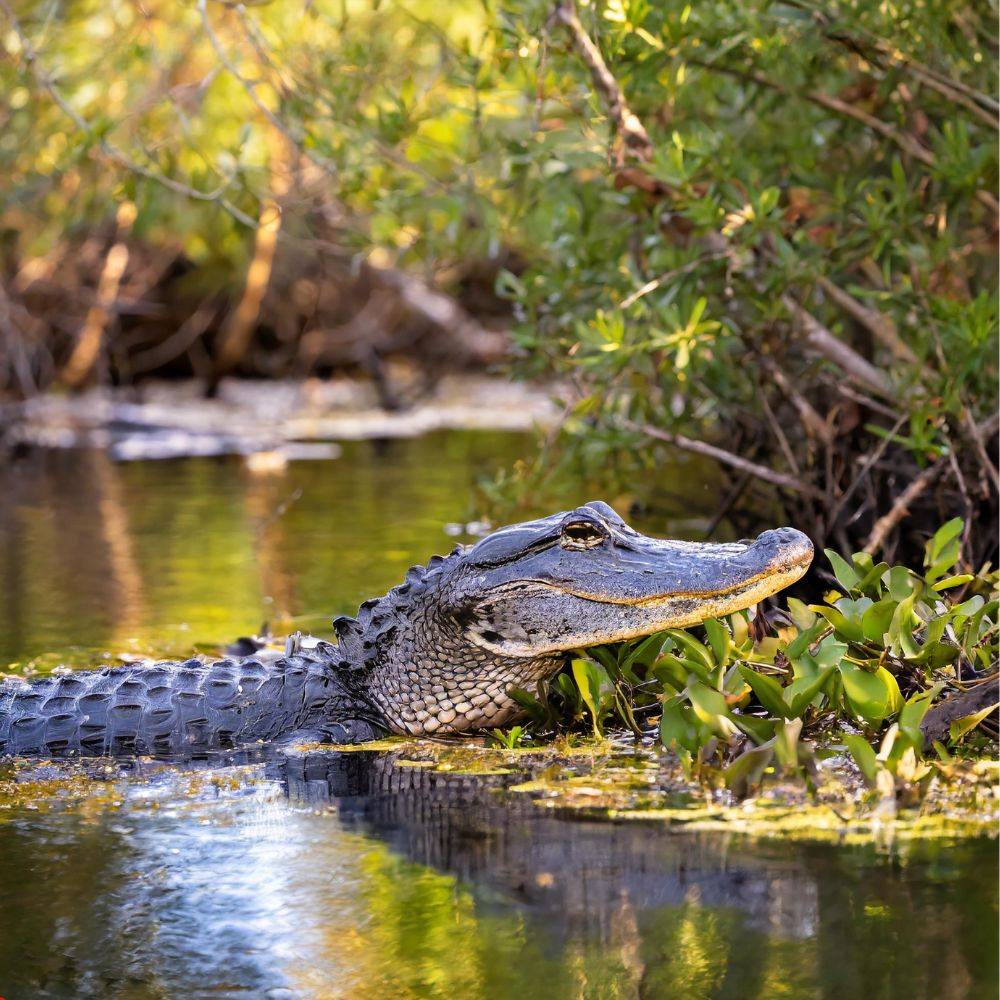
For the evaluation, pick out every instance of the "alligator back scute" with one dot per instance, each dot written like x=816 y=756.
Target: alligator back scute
x=165 y=707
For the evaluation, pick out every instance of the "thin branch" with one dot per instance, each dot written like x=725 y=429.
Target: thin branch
x=834 y=349
x=901 y=507
x=977 y=433
x=108 y=148
x=878 y=324
x=295 y=138
x=903 y=140
x=877 y=53
x=872 y=459
x=625 y=122
x=677 y=272
x=725 y=457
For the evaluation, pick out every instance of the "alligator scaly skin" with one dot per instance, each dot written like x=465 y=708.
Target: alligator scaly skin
x=172 y=708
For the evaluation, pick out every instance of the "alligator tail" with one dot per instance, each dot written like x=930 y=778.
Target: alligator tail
x=165 y=708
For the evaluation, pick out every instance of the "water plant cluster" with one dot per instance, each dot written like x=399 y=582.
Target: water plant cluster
x=856 y=673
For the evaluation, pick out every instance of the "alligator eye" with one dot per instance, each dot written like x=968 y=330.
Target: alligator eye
x=581 y=535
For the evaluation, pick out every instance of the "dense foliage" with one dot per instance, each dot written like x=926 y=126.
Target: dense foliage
x=763 y=231
x=866 y=664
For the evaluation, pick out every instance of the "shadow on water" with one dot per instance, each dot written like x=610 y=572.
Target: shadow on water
x=348 y=875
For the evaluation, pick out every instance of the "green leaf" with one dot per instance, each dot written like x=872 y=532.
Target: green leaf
x=844 y=627
x=872 y=696
x=720 y=641
x=800 y=693
x=800 y=614
x=695 y=650
x=746 y=771
x=711 y=707
x=803 y=640
x=876 y=620
x=967 y=723
x=767 y=690
x=864 y=755
x=912 y=714
x=846 y=575
x=943 y=549
x=595 y=688
x=644 y=653
x=786 y=743
x=676 y=729
x=900 y=582
x=759 y=730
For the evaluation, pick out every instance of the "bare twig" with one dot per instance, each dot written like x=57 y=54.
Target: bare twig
x=109 y=149
x=901 y=507
x=878 y=53
x=834 y=349
x=878 y=324
x=677 y=272
x=872 y=459
x=977 y=433
x=903 y=140
x=625 y=122
x=725 y=457
x=810 y=418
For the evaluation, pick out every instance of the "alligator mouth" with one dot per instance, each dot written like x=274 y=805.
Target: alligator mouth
x=641 y=586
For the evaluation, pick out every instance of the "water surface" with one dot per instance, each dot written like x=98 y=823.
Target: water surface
x=346 y=875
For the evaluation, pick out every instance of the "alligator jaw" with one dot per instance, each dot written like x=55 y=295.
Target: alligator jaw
x=637 y=587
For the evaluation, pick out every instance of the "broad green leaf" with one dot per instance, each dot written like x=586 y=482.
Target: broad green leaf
x=694 y=649
x=801 y=615
x=800 y=694
x=846 y=575
x=900 y=582
x=767 y=690
x=804 y=640
x=786 y=743
x=864 y=755
x=644 y=653
x=960 y=727
x=872 y=696
x=912 y=714
x=759 y=730
x=747 y=770
x=876 y=620
x=676 y=729
x=844 y=627
x=719 y=640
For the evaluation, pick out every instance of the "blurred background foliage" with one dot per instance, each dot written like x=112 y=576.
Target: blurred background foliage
x=765 y=232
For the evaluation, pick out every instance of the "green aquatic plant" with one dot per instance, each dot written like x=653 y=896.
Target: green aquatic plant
x=744 y=695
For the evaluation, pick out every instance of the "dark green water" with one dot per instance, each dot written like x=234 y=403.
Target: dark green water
x=343 y=876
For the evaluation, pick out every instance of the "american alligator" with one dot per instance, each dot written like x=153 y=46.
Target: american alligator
x=437 y=654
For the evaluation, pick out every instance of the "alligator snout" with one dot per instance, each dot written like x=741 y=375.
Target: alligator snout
x=785 y=546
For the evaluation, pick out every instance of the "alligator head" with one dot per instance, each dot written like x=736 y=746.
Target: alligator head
x=443 y=650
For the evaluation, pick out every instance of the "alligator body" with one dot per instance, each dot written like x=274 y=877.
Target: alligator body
x=437 y=654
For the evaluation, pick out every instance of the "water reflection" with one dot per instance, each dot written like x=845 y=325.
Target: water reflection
x=346 y=875
x=153 y=557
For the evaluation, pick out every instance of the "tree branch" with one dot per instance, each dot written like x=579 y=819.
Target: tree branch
x=725 y=457
x=626 y=124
